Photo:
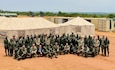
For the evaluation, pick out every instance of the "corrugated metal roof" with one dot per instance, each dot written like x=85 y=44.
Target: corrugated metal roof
x=8 y=14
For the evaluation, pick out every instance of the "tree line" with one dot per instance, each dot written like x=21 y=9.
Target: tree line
x=62 y=14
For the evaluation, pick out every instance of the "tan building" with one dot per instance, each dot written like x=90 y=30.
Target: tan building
x=101 y=24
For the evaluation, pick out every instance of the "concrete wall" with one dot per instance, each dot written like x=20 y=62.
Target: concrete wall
x=95 y=22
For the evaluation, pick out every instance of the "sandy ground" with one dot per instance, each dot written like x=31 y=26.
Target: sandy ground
x=63 y=62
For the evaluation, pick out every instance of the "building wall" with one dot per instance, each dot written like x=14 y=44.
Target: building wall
x=101 y=24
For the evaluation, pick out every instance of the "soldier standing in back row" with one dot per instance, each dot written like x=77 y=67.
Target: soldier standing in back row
x=11 y=47
x=102 y=44
x=106 y=46
x=14 y=44
x=48 y=40
x=99 y=42
x=96 y=45
x=6 y=46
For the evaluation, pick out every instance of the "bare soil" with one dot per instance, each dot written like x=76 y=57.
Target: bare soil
x=63 y=62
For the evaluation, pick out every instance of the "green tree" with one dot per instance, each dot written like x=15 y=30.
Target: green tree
x=111 y=16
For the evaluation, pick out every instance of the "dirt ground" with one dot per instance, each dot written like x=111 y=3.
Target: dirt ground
x=63 y=62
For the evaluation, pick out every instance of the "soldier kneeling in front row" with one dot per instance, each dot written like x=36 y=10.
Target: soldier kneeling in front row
x=21 y=53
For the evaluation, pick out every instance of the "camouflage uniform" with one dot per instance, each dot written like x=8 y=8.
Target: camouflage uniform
x=24 y=50
x=71 y=48
x=14 y=44
x=44 y=51
x=6 y=46
x=33 y=50
x=62 y=49
x=80 y=46
x=67 y=48
x=19 y=53
x=49 y=51
x=53 y=51
x=85 y=51
x=52 y=40
x=92 y=51
x=16 y=49
x=11 y=47
x=106 y=46
x=22 y=53
x=48 y=41
x=96 y=45
x=102 y=44
x=56 y=47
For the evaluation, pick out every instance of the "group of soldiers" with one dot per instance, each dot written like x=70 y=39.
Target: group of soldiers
x=44 y=45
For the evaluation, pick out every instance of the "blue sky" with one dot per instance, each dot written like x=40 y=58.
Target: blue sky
x=59 y=5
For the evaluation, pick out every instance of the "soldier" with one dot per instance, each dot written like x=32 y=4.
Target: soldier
x=80 y=46
x=35 y=36
x=31 y=36
x=77 y=36
x=24 y=50
x=49 y=51
x=52 y=40
x=56 y=47
x=72 y=35
x=44 y=50
x=75 y=49
x=33 y=41
x=85 y=40
x=19 y=53
x=33 y=50
x=6 y=46
x=96 y=45
x=54 y=52
x=71 y=48
x=42 y=40
x=73 y=39
x=81 y=43
x=68 y=39
x=62 y=49
x=20 y=42
x=90 y=41
x=85 y=51
x=27 y=41
x=14 y=44
x=45 y=38
x=102 y=44
x=29 y=54
x=63 y=39
x=39 y=50
x=57 y=39
x=11 y=47
x=16 y=49
x=37 y=40
x=23 y=41
x=48 y=41
x=67 y=48
x=92 y=51
x=106 y=46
